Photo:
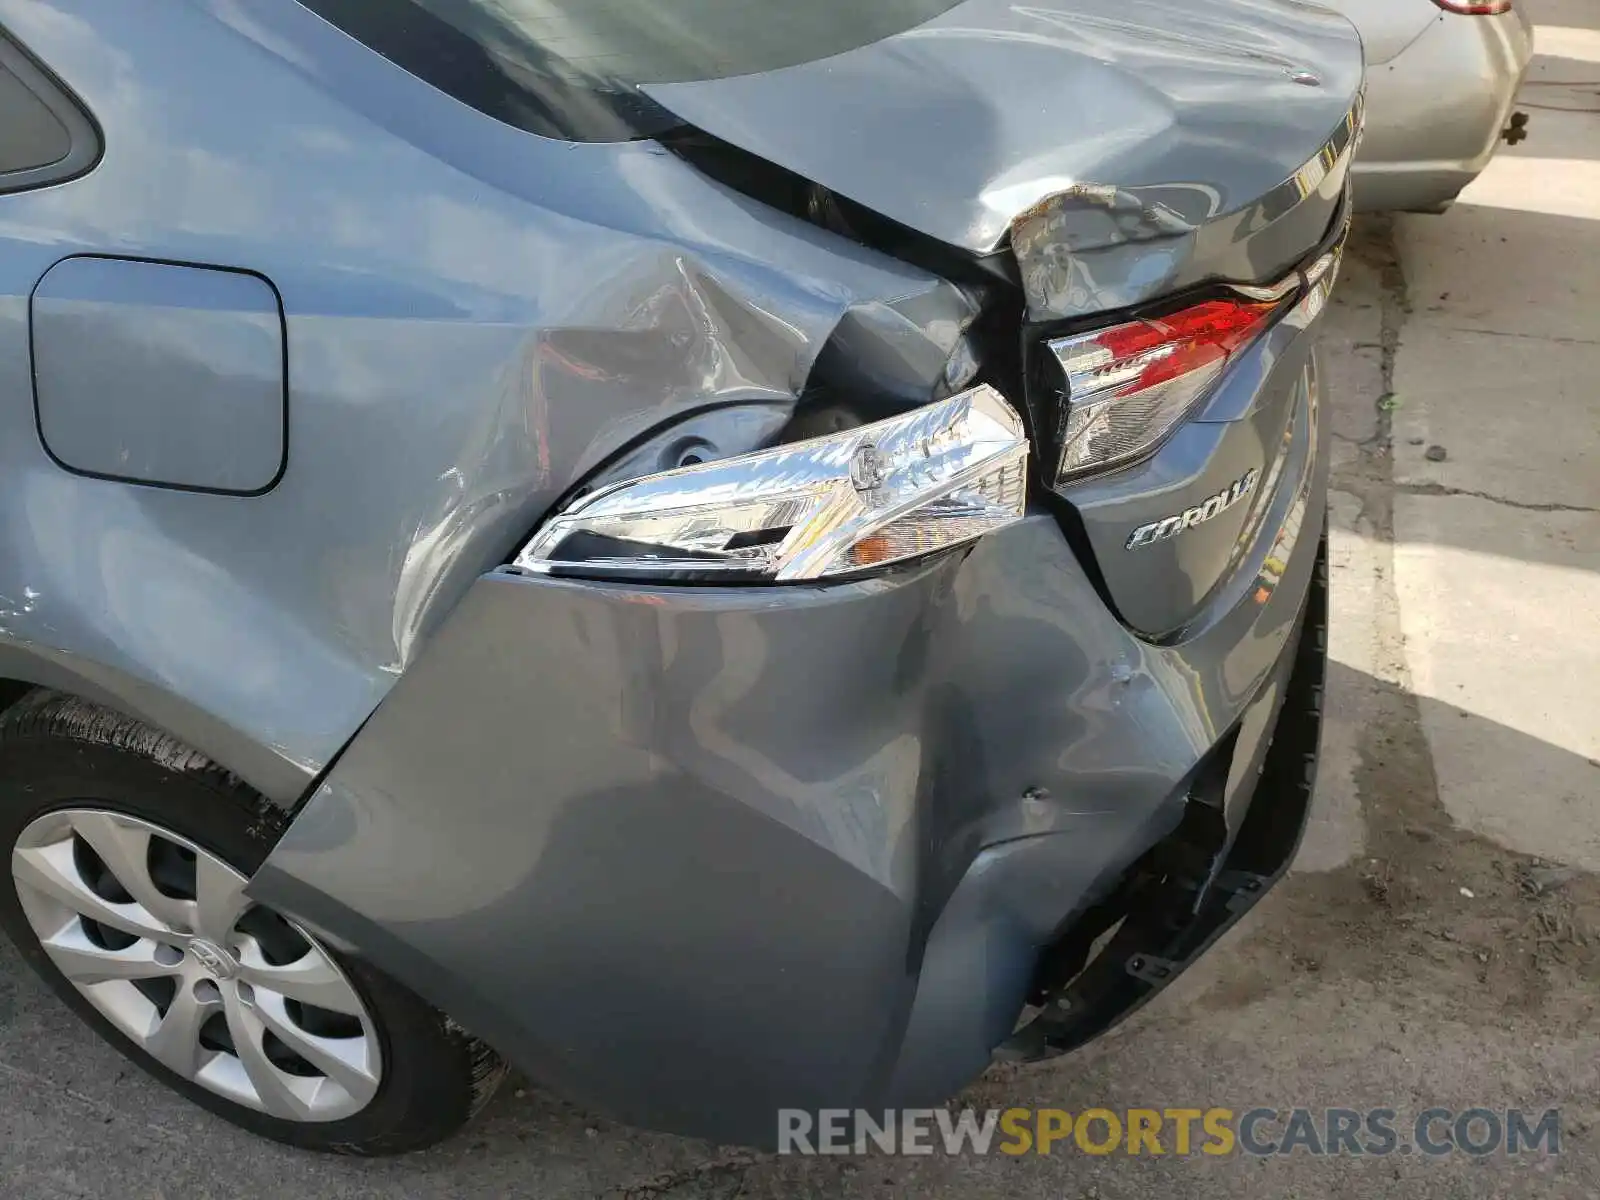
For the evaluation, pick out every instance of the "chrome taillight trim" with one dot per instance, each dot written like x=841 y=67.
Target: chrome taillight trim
x=1284 y=288
x=1270 y=293
x=1333 y=156
x=1335 y=152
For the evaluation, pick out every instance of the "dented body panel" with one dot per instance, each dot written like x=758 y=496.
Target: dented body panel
x=689 y=853
x=764 y=851
x=1117 y=145
x=476 y=317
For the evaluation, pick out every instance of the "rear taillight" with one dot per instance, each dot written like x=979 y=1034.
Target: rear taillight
x=1127 y=386
x=1475 y=8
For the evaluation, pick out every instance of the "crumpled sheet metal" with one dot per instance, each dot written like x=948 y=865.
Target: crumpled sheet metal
x=1073 y=249
x=1095 y=247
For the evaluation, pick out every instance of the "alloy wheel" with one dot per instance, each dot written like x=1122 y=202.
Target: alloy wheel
x=157 y=933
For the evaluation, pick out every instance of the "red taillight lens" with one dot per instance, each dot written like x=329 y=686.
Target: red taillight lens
x=1475 y=8
x=1127 y=386
x=1185 y=341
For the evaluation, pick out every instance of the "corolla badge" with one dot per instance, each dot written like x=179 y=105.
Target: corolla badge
x=1198 y=514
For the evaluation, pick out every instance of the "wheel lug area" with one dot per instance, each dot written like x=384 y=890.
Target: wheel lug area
x=216 y=962
x=168 y=956
x=206 y=991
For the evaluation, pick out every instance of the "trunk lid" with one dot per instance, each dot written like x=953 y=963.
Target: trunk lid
x=1164 y=119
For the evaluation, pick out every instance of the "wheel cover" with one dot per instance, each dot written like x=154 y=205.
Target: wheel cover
x=157 y=933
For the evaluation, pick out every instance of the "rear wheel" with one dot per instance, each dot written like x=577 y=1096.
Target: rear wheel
x=129 y=855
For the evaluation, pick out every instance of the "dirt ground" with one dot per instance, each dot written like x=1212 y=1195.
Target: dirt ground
x=1438 y=942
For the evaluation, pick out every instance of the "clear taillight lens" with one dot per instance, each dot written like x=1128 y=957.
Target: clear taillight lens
x=1475 y=8
x=1126 y=387
x=923 y=481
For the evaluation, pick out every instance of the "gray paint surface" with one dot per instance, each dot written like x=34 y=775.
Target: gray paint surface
x=161 y=374
x=759 y=805
x=1119 y=146
x=1388 y=26
x=476 y=318
x=1017 y=102
x=780 y=790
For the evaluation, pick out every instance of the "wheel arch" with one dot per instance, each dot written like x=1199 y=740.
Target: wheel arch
x=25 y=668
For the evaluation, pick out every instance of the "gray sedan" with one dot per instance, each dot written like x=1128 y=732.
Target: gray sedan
x=747 y=558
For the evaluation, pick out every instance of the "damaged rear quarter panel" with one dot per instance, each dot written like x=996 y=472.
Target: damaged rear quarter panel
x=476 y=318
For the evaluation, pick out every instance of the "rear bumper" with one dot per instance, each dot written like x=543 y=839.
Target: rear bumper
x=694 y=855
x=1435 y=112
x=1173 y=919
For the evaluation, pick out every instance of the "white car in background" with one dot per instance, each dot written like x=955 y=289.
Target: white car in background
x=1442 y=76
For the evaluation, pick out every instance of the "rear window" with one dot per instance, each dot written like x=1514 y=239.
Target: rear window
x=45 y=137
x=30 y=135
x=571 y=68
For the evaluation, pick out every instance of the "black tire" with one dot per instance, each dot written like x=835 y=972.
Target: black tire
x=57 y=751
